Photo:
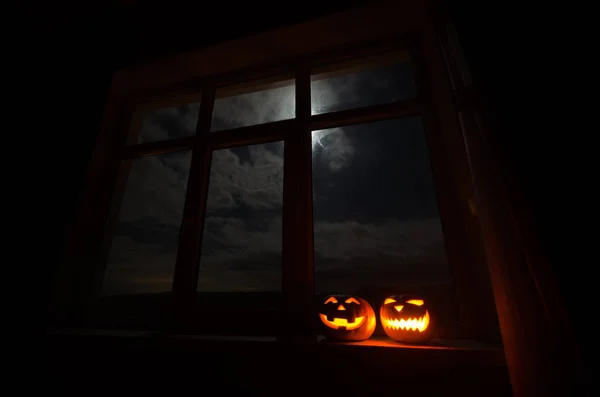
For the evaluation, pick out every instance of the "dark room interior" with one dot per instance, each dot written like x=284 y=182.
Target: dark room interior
x=489 y=59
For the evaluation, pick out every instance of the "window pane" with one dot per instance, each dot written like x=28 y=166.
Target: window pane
x=144 y=246
x=375 y=209
x=244 y=105
x=362 y=83
x=241 y=249
x=168 y=123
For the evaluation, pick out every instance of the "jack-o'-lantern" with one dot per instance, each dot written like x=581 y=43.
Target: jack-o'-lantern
x=405 y=318
x=347 y=318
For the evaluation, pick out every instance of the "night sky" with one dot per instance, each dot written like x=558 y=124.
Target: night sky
x=375 y=210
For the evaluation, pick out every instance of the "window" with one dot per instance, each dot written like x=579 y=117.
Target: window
x=244 y=105
x=241 y=249
x=239 y=277
x=169 y=123
x=371 y=81
x=144 y=247
x=375 y=209
x=137 y=276
x=377 y=227
x=170 y=120
x=255 y=243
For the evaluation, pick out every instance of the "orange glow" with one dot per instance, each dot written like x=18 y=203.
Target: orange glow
x=340 y=307
x=415 y=324
x=352 y=300
x=389 y=300
x=417 y=302
x=331 y=300
x=399 y=307
x=342 y=322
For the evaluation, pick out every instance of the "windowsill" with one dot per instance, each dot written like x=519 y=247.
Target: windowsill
x=436 y=344
x=461 y=348
x=266 y=365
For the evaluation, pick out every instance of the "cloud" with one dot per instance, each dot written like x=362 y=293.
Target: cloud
x=333 y=144
x=366 y=87
x=408 y=241
x=256 y=182
x=156 y=188
x=257 y=107
x=231 y=239
x=333 y=94
x=169 y=123
x=247 y=256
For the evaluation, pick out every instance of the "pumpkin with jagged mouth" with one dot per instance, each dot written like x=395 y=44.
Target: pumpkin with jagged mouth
x=405 y=318
x=347 y=318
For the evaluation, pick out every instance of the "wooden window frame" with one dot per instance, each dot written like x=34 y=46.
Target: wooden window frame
x=311 y=44
x=297 y=250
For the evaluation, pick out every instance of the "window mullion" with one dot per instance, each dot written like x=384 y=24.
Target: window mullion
x=192 y=225
x=156 y=148
x=298 y=270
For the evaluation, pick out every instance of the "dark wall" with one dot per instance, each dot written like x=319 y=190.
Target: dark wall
x=527 y=88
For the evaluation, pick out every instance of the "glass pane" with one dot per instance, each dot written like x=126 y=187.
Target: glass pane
x=168 y=123
x=244 y=105
x=362 y=83
x=241 y=249
x=375 y=209
x=144 y=246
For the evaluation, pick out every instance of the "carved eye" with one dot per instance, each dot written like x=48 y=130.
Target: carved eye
x=352 y=300
x=331 y=300
x=389 y=300
x=417 y=302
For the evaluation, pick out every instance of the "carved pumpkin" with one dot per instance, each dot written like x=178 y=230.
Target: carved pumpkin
x=347 y=318
x=405 y=318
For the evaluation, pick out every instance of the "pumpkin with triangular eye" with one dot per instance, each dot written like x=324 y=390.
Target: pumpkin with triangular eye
x=406 y=318
x=347 y=318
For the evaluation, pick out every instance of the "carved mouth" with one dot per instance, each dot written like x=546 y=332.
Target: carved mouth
x=339 y=323
x=413 y=324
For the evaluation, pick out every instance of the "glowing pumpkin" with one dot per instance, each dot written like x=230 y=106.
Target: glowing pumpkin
x=405 y=318
x=347 y=318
